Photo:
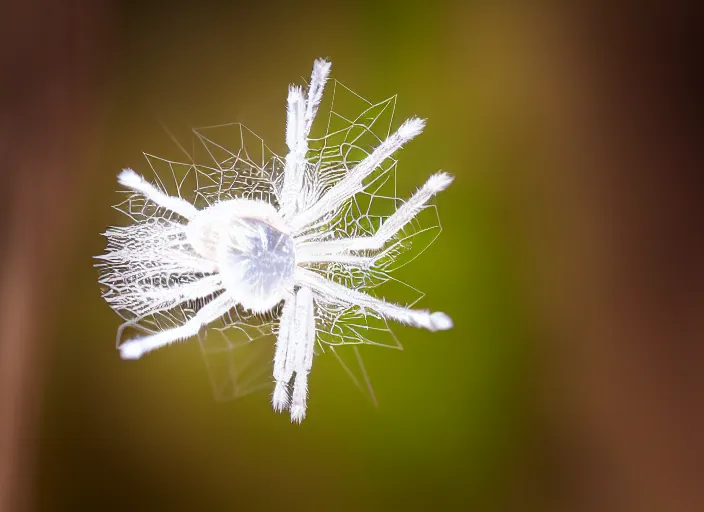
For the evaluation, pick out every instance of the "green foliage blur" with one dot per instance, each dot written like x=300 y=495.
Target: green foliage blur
x=453 y=418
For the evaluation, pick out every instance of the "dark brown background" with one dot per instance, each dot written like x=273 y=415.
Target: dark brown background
x=573 y=259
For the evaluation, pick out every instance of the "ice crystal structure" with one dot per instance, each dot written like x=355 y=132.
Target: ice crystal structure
x=290 y=246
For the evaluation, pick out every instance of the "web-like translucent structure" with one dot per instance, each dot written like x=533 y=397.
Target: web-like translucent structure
x=233 y=162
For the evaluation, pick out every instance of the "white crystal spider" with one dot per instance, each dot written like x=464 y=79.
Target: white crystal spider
x=248 y=253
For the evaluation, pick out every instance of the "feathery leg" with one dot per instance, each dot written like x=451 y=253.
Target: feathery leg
x=280 y=398
x=295 y=165
x=348 y=259
x=340 y=294
x=321 y=71
x=300 y=113
x=392 y=225
x=137 y=347
x=151 y=300
x=303 y=360
x=294 y=353
x=335 y=250
x=132 y=180
x=295 y=118
x=352 y=184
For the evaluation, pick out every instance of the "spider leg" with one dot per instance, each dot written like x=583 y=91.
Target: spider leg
x=131 y=179
x=300 y=113
x=295 y=118
x=336 y=257
x=147 y=302
x=137 y=347
x=352 y=184
x=303 y=360
x=295 y=164
x=339 y=294
x=336 y=250
x=321 y=71
x=282 y=375
x=294 y=353
x=405 y=214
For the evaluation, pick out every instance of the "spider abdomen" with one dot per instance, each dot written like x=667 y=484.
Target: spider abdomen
x=257 y=263
x=252 y=248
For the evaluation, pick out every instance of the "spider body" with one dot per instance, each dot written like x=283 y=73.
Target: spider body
x=252 y=247
x=253 y=254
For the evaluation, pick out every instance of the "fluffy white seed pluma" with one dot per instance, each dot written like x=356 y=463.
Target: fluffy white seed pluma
x=263 y=256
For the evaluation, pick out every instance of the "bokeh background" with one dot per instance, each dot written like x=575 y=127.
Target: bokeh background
x=571 y=259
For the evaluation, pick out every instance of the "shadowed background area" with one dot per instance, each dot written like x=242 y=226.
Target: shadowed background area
x=570 y=260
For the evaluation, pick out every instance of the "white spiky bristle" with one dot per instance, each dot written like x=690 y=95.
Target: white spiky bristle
x=411 y=128
x=295 y=93
x=440 y=181
x=298 y=413
x=321 y=69
x=279 y=399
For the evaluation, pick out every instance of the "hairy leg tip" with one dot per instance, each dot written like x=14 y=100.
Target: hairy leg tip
x=128 y=177
x=298 y=413
x=131 y=350
x=441 y=322
x=279 y=399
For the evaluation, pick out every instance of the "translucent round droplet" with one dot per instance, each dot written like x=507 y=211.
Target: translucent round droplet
x=257 y=263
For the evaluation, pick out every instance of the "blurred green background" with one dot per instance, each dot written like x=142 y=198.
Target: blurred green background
x=548 y=263
x=149 y=435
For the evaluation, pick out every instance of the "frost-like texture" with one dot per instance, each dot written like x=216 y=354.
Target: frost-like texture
x=330 y=205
